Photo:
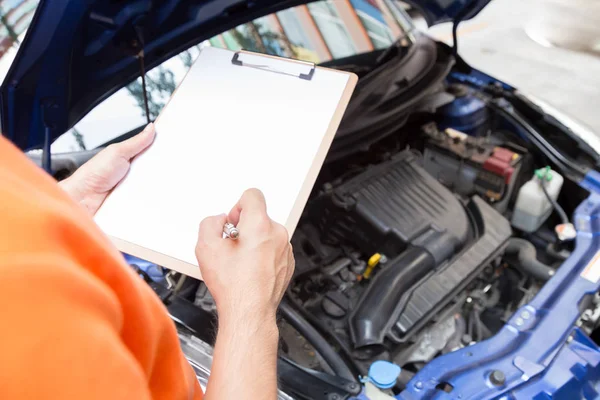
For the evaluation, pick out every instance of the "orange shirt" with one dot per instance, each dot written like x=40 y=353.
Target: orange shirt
x=75 y=321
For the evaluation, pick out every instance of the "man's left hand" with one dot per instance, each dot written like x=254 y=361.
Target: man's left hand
x=94 y=180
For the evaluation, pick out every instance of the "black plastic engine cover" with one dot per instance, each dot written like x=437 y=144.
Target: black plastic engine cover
x=390 y=206
x=435 y=243
x=491 y=232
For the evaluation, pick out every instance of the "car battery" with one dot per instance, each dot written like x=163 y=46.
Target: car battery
x=471 y=165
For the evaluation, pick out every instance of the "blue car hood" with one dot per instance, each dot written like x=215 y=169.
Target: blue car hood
x=78 y=52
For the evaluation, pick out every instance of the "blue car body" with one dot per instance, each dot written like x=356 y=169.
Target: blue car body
x=65 y=67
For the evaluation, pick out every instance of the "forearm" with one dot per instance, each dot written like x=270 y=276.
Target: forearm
x=245 y=358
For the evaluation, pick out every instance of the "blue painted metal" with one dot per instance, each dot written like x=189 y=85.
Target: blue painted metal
x=467 y=114
x=153 y=270
x=533 y=349
x=477 y=79
x=438 y=11
x=77 y=53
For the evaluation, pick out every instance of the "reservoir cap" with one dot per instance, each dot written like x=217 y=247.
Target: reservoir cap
x=383 y=374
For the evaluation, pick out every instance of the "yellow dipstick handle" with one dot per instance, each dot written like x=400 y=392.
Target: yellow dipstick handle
x=373 y=261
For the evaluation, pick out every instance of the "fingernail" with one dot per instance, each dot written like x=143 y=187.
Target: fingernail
x=149 y=127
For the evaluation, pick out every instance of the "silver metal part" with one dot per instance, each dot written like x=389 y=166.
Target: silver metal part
x=199 y=354
x=433 y=340
x=231 y=231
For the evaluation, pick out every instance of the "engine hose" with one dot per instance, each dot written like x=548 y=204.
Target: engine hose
x=525 y=258
x=372 y=313
x=331 y=357
x=559 y=210
x=559 y=255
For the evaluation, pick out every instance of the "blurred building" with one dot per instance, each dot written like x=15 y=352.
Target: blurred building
x=318 y=31
x=321 y=31
x=15 y=16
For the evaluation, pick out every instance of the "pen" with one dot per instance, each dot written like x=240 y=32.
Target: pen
x=231 y=231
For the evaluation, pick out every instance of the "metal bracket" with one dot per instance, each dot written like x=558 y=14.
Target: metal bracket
x=235 y=60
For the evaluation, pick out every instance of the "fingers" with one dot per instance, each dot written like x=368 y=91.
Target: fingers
x=211 y=228
x=251 y=208
x=135 y=145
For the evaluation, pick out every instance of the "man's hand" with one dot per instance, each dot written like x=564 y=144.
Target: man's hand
x=247 y=278
x=94 y=180
x=251 y=273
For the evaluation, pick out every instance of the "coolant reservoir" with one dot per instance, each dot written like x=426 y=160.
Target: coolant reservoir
x=533 y=207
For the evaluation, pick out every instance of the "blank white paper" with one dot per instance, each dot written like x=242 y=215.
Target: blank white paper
x=227 y=128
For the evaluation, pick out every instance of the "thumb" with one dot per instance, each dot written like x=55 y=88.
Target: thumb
x=135 y=145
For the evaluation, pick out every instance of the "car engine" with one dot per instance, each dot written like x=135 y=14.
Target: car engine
x=401 y=244
x=385 y=252
x=407 y=248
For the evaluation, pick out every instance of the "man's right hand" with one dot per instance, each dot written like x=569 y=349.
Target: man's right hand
x=247 y=276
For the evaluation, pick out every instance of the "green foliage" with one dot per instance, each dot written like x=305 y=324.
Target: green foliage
x=253 y=37
x=79 y=139
x=188 y=56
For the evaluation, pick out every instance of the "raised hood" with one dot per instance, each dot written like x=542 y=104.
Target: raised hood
x=78 y=52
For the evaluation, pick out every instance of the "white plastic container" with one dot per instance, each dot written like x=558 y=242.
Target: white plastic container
x=533 y=207
x=372 y=392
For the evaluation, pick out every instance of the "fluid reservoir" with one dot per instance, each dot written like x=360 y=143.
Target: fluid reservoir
x=533 y=206
x=466 y=113
x=382 y=377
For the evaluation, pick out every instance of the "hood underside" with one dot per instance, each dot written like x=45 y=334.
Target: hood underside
x=77 y=53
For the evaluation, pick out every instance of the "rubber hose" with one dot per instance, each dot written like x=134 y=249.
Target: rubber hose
x=525 y=257
x=377 y=304
x=331 y=357
x=561 y=212
x=556 y=254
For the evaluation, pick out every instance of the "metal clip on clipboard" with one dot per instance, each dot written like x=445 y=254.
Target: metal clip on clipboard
x=235 y=60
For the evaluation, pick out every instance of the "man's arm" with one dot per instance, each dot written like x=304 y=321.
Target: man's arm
x=245 y=359
x=247 y=278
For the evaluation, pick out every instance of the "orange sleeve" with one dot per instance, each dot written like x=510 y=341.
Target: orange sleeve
x=77 y=322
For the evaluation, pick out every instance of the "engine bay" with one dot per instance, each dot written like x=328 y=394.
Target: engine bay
x=419 y=237
x=403 y=260
x=405 y=251
x=400 y=247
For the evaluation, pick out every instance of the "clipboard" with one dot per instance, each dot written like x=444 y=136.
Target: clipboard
x=237 y=120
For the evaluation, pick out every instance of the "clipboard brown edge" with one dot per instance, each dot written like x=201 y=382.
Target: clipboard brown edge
x=193 y=270
x=311 y=177
x=157 y=258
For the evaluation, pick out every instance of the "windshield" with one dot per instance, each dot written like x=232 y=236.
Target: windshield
x=319 y=32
